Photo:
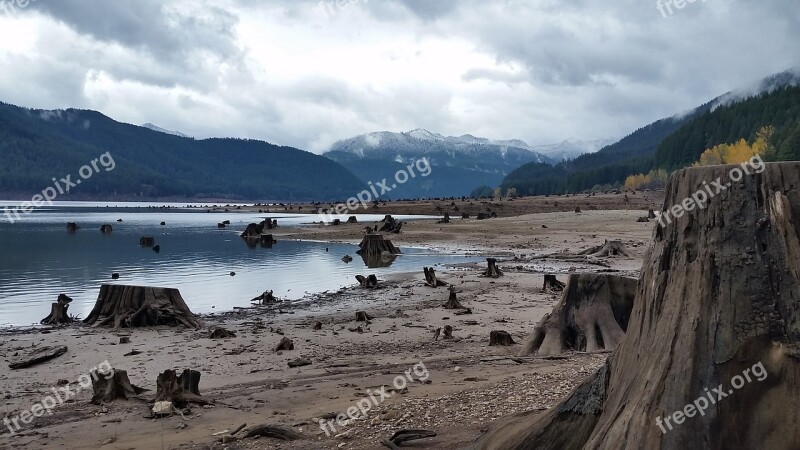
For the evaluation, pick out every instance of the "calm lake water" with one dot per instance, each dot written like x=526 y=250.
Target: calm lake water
x=40 y=259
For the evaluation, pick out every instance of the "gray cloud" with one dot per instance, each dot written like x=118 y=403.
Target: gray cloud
x=306 y=73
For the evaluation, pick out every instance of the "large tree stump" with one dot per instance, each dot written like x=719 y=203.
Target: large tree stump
x=390 y=225
x=58 y=312
x=551 y=283
x=430 y=278
x=492 y=270
x=180 y=390
x=375 y=244
x=107 y=387
x=717 y=303
x=592 y=315
x=609 y=248
x=140 y=306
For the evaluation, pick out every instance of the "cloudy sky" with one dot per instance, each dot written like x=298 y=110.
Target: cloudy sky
x=307 y=73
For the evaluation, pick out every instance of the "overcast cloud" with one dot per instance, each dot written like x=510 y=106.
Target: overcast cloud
x=307 y=73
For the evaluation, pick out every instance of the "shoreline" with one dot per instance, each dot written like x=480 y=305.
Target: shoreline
x=251 y=383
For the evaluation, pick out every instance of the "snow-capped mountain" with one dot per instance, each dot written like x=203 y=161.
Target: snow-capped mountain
x=161 y=130
x=459 y=163
x=570 y=149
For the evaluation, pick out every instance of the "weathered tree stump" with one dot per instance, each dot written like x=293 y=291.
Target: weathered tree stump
x=642 y=219
x=431 y=279
x=108 y=387
x=651 y=214
x=352 y=219
x=220 y=226
x=390 y=225
x=591 y=316
x=157 y=248
x=445 y=219
x=715 y=316
x=147 y=241
x=255 y=230
x=72 y=227
x=284 y=345
x=180 y=390
x=362 y=316
x=375 y=244
x=221 y=333
x=609 y=248
x=551 y=283
x=447 y=332
x=140 y=306
x=336 y=222
x=452 y=302
x=266 y=240
x=492 y=270
x=577 y=210
x=37 y=356
x=500 y=337
x=105 y=229
x=58 y=312
x=347 y=258
x=266 y=298
x=464 y=216
x=370 y=281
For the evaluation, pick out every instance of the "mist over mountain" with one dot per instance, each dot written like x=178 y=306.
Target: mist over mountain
x=162 y=130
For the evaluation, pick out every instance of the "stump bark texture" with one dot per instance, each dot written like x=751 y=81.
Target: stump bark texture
x=718 y=296
x=140 y=306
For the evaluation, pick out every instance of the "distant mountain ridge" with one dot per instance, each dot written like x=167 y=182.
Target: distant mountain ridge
x=458 y=162
x=162 y=130
x=37 y=145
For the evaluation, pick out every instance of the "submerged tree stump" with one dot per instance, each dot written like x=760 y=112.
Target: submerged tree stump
x=592 y=315
x=430 y=278
x=105 y=229
x=375 y=244
x=492 y=270
x=609 y=248
x=551 y=283
x=715 y=316
x=180 y=390
x=384 y=259
x=72 y=227
x=140 y=306
x=108 y=387
x=147 y=241
x=58 y=312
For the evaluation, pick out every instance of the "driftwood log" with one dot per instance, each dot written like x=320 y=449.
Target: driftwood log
x=273 y=431
x=492 y=270
x=58 y=312
x=551 y=283
x=221 y=333
x=430 y=278
x=710 y=356
x=140 y=306
x=107 y=387
x=591 y=316
x=180 y=390
x=37 y=356
x=375 y=244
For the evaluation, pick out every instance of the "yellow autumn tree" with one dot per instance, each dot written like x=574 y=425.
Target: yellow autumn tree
x=654 y=179
x=739 y=151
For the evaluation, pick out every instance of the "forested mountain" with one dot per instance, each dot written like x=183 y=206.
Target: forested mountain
x=458 y=164
x=37 y=145
x=677 y=141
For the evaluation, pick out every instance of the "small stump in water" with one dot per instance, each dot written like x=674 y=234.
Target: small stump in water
x=105 y=229
x=375 y=244
x=147 y=241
